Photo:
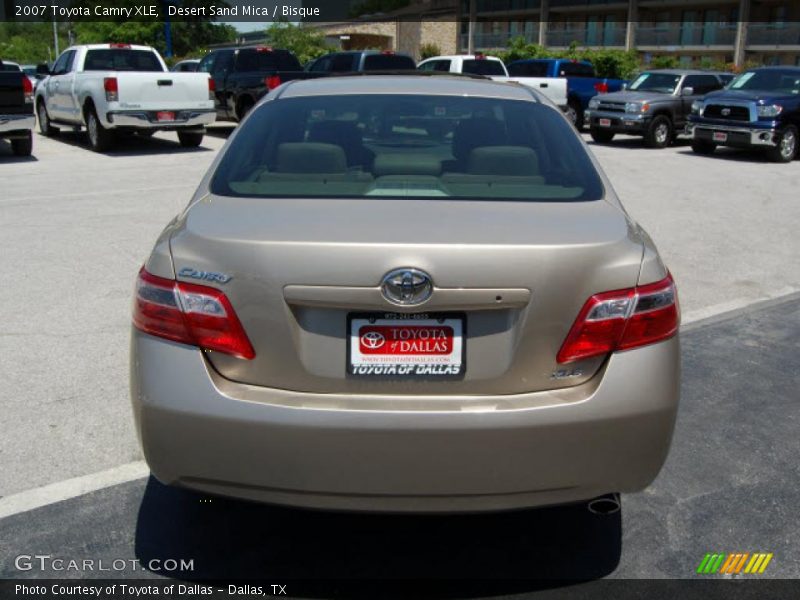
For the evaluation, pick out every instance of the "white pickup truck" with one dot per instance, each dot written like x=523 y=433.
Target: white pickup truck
x=111 y=88
x=555 y=88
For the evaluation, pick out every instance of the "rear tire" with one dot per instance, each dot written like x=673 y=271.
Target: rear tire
x=22 y=146
x=190 y=139
x=100 y=138
x=703 y=147
x=45 y=126
x=786 y=149
x=601 y=136
x=575 y=114
x=243 y=107
x=659 y=133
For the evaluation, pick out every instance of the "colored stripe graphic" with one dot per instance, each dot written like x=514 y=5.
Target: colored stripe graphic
x=734 y=563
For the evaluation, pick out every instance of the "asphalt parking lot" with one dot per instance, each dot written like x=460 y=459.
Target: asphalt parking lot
x=76 y=226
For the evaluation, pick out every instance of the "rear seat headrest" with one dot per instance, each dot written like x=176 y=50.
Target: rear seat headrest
x=503 y=160
x=307 y=157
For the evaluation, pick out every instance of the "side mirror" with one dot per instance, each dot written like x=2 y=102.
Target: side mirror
x=687 y=91
x=42 y=70
x=624 y=86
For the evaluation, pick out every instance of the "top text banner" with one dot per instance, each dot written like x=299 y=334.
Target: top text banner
x=225 y=10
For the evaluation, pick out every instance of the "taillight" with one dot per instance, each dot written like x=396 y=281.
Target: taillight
x=601 y=87
x=27 y=89
x=272 y=81
x=190 y=314
x=112 y=89
x=119 y=46
x=212 y=87
x=623 y=319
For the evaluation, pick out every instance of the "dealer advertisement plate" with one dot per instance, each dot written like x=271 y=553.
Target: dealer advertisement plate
x=720 y=136
x=605 y=122
x=408 y=346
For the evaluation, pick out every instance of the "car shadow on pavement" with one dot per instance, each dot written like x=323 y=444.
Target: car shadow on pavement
x=627 y=142
x=731 y=154
x=504 y=552
x=129 y=144
x=8 y=157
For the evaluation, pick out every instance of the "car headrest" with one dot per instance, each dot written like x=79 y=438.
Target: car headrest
x=480 y=131
x=307 y=157
x=504 y=160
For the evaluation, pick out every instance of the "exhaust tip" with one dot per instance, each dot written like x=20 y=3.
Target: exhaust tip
x=604 y=505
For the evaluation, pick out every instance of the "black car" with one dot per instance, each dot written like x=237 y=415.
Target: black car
x=362 y=60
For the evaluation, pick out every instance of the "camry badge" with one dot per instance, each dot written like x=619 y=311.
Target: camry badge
x=204 y=275
x=407 y=287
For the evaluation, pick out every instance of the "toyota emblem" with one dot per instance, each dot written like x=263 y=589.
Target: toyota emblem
x=373 y=340
x=407 y=287
x=725 y=112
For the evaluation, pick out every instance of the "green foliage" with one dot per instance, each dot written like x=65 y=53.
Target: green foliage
x=615 y=64
x=28 y=43
x=306 y=43
x=664 y=62
x=429 y=50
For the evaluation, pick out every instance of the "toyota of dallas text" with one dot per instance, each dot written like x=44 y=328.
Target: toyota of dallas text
x=405 y=293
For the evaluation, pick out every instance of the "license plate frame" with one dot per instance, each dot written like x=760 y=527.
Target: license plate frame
x=165 y=116
x=604 y=122
x=450 y=366
x=719 y=136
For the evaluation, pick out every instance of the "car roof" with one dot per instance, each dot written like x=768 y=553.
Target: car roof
x=463 y=57
x=685 y=71
x=407 y=85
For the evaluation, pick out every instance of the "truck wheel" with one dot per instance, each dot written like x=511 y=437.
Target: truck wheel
x=575 y=114
x=100 y=138
x=190 y=139
x=45 y=127
x=703 y=147
x=22 y=146
x=659 y=133
x=601 y=136
x=786 y=149
x=242 y=108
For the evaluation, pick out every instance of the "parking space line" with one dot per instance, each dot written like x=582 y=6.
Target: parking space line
x=78 y=486
x=71 y=488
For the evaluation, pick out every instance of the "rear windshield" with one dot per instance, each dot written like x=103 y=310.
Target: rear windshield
x=9 y=67
x=388 y=62
x=527 y=69
x=483 y=67
x=407 y=146
x=262 y=60
x=118 y=59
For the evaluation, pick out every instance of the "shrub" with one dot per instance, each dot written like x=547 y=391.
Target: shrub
x=429 y=51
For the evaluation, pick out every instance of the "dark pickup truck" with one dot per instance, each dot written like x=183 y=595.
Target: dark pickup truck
x=242 y=76
x=759 y=109
x=16 y=110
x=361 y=61
x=583 y=84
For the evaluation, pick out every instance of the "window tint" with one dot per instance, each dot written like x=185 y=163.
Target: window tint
x=9 y=68
x=388 y=62
x=772 y=80
x=483 y=67
x=119 y=59
x=223 y=64
x=702 y=84
x=341 y=63
x=251 y=59
x=442 y=66
x=570 y=69
x=527 y=69
x=207 y=63
x=407 y=146
x=61 y=64
x=664 y=83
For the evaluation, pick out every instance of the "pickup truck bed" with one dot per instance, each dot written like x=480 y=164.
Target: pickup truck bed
x=16 y=111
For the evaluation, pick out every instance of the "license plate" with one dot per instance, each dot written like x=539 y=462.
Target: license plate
x=416 y=346
x=605 y=122
x=165 y=115
x=720 y=136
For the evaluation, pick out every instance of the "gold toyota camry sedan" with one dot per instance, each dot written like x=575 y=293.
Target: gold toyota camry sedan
x=405 y=293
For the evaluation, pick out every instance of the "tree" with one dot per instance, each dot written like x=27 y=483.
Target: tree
x=306 y=43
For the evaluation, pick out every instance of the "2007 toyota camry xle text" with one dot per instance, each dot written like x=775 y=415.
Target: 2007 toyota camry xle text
x=405 y=293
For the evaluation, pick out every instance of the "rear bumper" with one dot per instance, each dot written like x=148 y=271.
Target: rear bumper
x=184 y=119
x=611 y=434
x=740 y=136
x=16 y=125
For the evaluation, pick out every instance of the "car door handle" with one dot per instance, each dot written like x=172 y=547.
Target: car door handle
x=544 y=85
x=165 y=82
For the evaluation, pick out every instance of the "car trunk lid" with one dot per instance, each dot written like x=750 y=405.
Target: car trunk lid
x=517 y=272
